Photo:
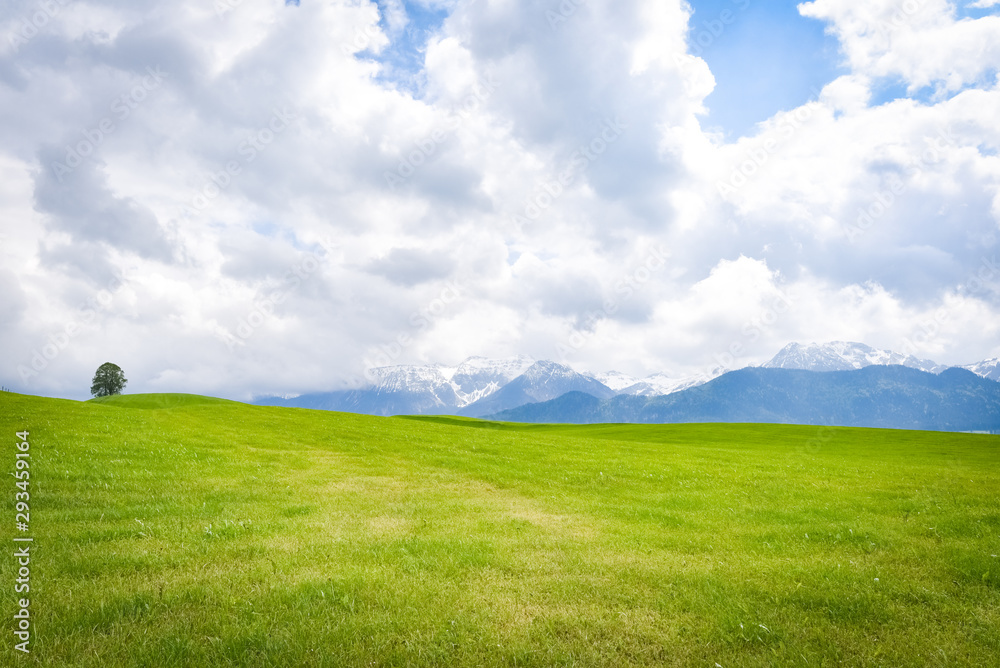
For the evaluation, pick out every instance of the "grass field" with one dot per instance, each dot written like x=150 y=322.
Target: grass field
x=173 y=530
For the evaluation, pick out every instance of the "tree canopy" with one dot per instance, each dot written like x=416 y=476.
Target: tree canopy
x=109 y=379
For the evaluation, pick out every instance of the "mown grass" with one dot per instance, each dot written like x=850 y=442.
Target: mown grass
x=175 y=530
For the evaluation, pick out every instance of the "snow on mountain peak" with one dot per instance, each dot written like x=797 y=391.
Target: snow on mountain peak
x=477 y=362
x=405 y=378
x=842 y=356
x=987 y=368
x=479 y=377
x=546 y=368
x=616 y=380
x=473 y=379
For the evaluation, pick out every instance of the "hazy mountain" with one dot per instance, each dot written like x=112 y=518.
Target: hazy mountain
x=895 y=397
x=367 y=401
x=843 y=356
x=571 y=408
x=542 y=381
x=415 y=389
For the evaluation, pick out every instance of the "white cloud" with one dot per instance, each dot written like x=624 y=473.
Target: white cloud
x=919 y=41
x=272 y=133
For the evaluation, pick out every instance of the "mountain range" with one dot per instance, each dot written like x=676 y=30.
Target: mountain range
x=479 y=386
x=522 y=389
x=416 y=390
x=887 y=396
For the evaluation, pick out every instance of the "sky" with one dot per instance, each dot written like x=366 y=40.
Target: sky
x=251 y=197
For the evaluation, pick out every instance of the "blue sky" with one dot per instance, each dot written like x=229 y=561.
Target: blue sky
x=404 y=57
x=765 y=57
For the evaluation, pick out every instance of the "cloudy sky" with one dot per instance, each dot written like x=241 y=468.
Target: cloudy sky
x=240 y=197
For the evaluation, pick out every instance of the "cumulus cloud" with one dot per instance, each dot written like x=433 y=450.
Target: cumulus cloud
x=81 y=204
x=920 y=41
x=281 y=204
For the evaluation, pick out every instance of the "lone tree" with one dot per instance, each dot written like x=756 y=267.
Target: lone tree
x=109 y=379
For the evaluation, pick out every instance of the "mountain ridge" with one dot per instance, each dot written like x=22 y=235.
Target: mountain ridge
x=543 y=381
x=884 y=396
x=478 y=385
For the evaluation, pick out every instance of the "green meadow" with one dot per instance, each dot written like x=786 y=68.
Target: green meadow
x=175 y=530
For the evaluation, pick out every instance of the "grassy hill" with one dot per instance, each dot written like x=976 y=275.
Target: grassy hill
x=179 y=530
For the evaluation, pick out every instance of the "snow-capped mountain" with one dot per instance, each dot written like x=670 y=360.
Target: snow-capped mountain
x=473 y=379
x=480 y=386
x=843 y=356
x=655 y=385
x=431 y=380
x=884 y=396
x=542 y=381
x=616 y=380
x=479 y=377
x=660 y=383
x=416 y=389
x=987 y=368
